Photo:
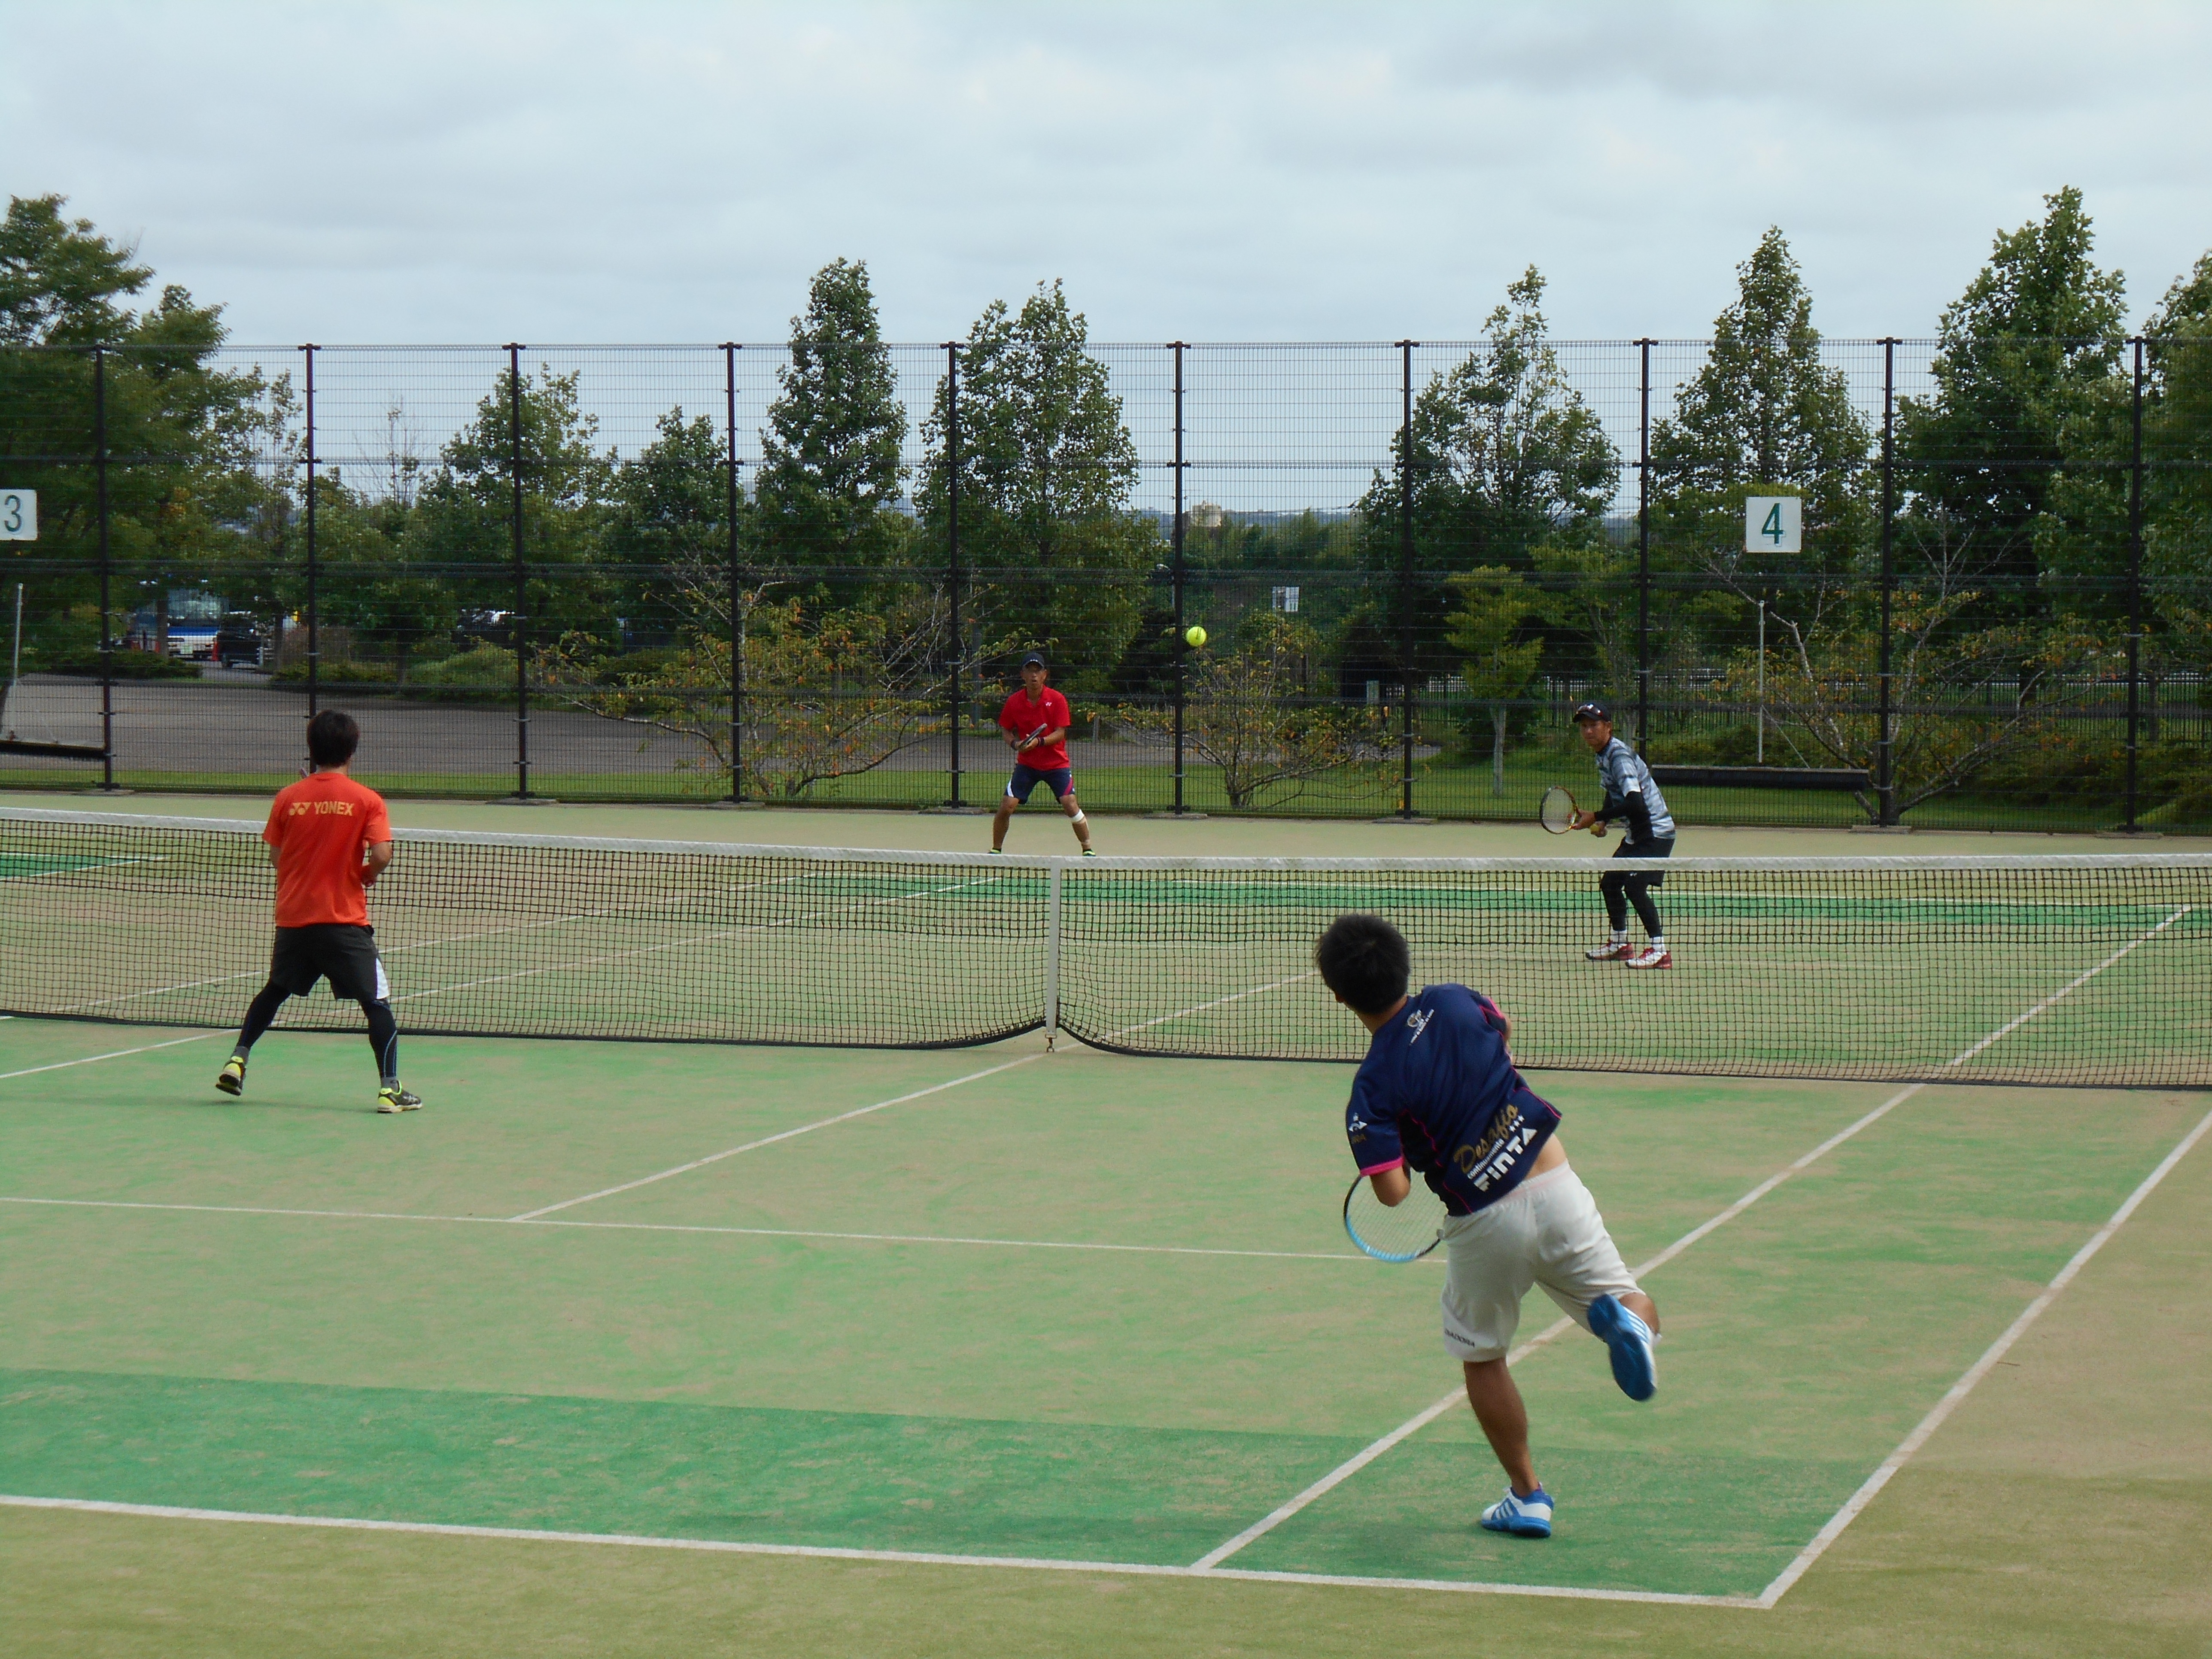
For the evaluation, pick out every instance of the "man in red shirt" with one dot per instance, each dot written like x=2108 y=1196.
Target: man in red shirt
x=330 y=839
x=1034 y=719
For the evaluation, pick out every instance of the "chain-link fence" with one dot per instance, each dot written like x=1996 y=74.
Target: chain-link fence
x=1972 y=585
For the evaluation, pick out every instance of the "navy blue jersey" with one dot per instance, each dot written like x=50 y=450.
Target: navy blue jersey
x=1438 y=1092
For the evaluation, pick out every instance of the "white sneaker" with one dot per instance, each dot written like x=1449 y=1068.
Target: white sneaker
x=1612 y=951
x=1524 y=1517
x=1650 y=958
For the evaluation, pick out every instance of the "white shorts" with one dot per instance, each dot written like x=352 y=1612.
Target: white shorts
x=1546 y=1232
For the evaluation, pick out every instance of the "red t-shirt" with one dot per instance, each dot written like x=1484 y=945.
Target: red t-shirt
x=320 y=827
x=1020 y=717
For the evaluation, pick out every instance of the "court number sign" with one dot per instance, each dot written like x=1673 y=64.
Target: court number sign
x=1773 y=524
x=19 y=515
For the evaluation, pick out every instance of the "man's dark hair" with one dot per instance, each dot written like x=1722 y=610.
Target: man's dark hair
x=331 y=737
x=1364 y=960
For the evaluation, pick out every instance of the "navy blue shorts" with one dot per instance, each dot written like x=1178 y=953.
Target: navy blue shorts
x=1026 y=779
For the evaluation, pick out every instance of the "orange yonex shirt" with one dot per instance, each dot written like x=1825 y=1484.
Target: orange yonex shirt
x=320 y=827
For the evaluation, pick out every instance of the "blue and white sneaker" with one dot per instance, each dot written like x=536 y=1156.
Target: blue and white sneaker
x=1630 y=1340
x=1524 y=1517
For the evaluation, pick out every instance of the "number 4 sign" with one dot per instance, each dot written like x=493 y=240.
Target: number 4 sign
x=1771 y=524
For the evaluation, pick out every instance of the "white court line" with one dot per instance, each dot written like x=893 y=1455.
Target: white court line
x=1421 y=1419
x=770 y=1140
x=113 y=1053
x=1981 y=1368
x=863 y=1111
x=826 y=1553
x=680 y=1227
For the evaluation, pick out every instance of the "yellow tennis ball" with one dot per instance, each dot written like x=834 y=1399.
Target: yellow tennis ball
x=1194 y=636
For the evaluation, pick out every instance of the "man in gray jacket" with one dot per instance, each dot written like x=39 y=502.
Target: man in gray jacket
x=1629 y=794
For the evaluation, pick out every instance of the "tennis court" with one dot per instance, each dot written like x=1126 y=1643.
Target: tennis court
x=1009 y=1323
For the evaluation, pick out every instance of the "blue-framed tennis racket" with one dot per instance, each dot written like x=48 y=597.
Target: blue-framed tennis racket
x=1405 y=1232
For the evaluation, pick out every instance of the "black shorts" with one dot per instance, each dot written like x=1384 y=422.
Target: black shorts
x=1657 y=848
x=341 y=952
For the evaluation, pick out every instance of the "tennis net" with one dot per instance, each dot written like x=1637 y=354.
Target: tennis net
x=2050 y=971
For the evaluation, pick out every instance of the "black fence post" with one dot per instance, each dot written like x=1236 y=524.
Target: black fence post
x=1406 y=644
x=953 y=547
x=106 y=569
x=1182 y=645
x=519 y=629
x=1643 y=551
x=1885 y=739
x=2134 y=582
x=314 y=636
x=729 y=349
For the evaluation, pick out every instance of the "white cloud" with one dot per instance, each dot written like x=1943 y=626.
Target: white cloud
x=676 y=171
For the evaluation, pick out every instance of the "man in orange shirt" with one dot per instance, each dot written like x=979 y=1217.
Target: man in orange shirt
x=330 y=839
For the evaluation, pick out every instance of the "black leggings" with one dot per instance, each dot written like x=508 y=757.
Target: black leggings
x=383 y=1029
x=1622 y=888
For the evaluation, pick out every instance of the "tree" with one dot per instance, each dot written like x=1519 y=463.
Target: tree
x=1499 y=663
x=2026 y=353
x=2177 y=481
x=1506 y=456
x=464 y=516
x=1764 y=416
x=183 y=432
x=831 y=473
x=1243 y=715
x=1046 y=468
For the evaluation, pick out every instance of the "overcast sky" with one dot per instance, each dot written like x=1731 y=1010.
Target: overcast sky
x=471 y=170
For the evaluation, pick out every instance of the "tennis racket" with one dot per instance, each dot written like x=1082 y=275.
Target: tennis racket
x=1557 y=814
x=1403 y=1232
x=1021 y=744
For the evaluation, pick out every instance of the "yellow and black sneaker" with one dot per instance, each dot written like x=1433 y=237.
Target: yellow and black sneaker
x=393 y=1098
x=232 y=1079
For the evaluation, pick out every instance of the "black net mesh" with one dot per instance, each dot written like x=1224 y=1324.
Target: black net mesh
x=2061 y=970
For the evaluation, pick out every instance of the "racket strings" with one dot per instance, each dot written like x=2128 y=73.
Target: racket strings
x=1399 y=1232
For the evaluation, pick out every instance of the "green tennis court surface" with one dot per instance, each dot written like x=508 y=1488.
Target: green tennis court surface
x=1081 y=1309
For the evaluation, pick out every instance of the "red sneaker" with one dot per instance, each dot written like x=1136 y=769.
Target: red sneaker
x=1648 y=957
x=1620 y=952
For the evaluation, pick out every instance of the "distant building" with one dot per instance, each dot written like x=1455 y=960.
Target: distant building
x=1206 y=516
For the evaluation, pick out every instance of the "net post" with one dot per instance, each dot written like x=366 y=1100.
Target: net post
x=518 y=631
x=1052 y=954
x=2135 y=581
x=106 y=569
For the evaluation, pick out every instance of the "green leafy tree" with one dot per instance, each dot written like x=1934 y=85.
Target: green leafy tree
x=1506 y=456
x=2177 y=481
x=2025 y=369
x=1763 y=416
x=830 y=476
x=463 y=517
x=1486 y=629
x=183 y=433
x=1046 y=468
x=667 y=533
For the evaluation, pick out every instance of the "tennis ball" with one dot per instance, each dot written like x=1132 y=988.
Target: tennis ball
x=1194 y=636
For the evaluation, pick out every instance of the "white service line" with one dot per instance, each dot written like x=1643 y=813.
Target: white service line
x=830 y=1553
x=680 y=1227
x=1422 y=1419
x=770 y=1140
x=1981 y=1368
x=113 y=1053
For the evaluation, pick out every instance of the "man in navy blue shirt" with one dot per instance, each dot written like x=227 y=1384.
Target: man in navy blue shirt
x=1438 y=1094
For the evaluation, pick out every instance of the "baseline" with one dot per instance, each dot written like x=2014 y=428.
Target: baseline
x=831 y=1553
